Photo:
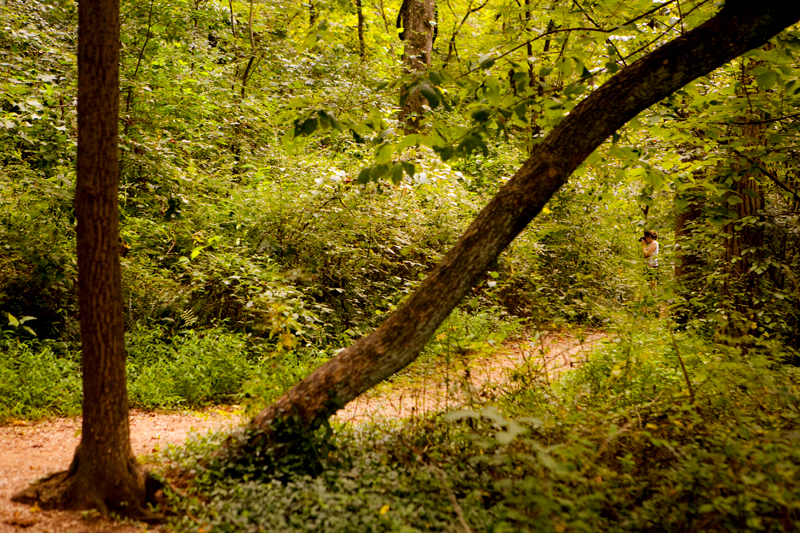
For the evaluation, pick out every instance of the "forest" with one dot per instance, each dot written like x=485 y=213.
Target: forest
x=285 y=207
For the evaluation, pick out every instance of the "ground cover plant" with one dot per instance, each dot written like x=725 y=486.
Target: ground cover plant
x=639 y=438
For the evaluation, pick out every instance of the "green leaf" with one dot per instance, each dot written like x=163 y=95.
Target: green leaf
x=364 y=176
x=436 y=77
x=384 y=153
x=410 y=168
x=471 y=143
x=430 y=95
x=461 y=415
x=396 y=174
x=356 y=137
x=486 y=61
x=408 y=141
x=309 y=126
x=481 y=115
x=733 y=200
x=12 y=320
x=378 y=171
x=767 y=80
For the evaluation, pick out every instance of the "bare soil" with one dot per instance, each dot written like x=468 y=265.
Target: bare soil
x=29 y=451
x=472 y=379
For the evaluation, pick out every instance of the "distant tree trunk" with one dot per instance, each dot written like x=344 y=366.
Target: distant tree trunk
x=361 y=47
x=688 y=210
x=745 y=235
x=104 y=474
x=689 y=261
x=415 y=17
x=740 y=26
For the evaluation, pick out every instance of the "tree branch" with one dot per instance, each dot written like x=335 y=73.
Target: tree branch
x=740 y=26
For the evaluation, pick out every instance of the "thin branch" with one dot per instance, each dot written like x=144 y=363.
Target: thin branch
x=146 y=39
x=770 y=174
x=138 y=64
x=457 y=30
x=683 y=367
x=754 y=122
x=767 y=172
x=669 y=29
x=609 y=41
x=453 y=500
x=598 y=30
x=250 y=28
x=233 y=20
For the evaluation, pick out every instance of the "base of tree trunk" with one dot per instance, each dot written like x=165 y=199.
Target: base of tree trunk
x=76 y=490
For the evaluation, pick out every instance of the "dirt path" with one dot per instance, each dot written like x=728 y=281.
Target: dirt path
x=30 y=451
x=479 y=378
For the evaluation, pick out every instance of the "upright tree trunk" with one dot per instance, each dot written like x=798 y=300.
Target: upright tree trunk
x=416 y=17
x=104 y=474
x=360 y=13
x=745 y=235
x=739 y=27
x=689 y=261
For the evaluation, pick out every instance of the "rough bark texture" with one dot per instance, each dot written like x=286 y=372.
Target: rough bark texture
x=745 y=236
x=739 y=27
x=103 y=474
x=415 y=17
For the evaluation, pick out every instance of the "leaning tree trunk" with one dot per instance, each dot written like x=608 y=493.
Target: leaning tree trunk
x=739 y=27
x=104 y=474
x=416 y=17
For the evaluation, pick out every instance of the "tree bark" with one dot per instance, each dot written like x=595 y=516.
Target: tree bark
x=745 y=238
x=415 y=17
x=104 y=474
x=739 y=27
x=360 y=14
x=689 y=261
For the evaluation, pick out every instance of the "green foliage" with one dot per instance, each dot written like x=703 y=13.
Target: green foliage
x=616 y=446
x=272 y=212
x=192 y=369
x=37 y=381
x=272 y=376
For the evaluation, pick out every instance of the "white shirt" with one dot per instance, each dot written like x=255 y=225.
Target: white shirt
x=651 y=254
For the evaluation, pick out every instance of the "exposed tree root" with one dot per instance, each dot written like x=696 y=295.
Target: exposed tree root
x=131 y=494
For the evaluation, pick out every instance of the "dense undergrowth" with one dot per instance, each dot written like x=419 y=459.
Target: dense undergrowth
x=254 y=247
x=249 y=256
x=657 y=431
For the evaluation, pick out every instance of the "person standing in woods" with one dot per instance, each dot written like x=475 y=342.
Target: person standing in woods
x=650 y=250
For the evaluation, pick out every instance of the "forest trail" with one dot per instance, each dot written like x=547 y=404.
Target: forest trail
x=31 y=450
x=471 y=378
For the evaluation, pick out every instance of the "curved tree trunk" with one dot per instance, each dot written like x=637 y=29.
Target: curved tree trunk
x=739 y=27
x=104 y=474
